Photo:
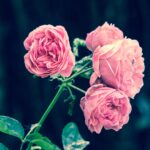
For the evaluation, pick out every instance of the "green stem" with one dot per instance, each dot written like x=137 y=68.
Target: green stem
x=77 y=88
x=52 y=104
x=70 y=92
x=44 y=116
x=78 y=73
x=21 y=147
x=85 y=66
x=50 y=107
x=25 y=138
x=29 y=146
x=72 y=102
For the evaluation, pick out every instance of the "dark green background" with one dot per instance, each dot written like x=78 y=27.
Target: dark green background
x=25 y=98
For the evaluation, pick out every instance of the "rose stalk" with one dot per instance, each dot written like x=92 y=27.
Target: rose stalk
x=65 y=84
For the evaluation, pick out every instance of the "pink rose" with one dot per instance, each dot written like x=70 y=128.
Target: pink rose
x=105 y=107
x=94 y=79
x=49 y=52
x=103 y=35
x=120 y=65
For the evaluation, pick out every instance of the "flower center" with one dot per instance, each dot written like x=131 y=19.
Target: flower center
x=111 y=106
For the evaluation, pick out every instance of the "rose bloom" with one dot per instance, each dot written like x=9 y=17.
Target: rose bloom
x=49 y=52
x=103 y=35
x=105 y=107
x=120 y=65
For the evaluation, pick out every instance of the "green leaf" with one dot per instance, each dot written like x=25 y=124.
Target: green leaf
x=87 y=74
x=71 y=138
x=3 y=147
x=33 y=136
x=11 y=126
x=44 y=144
x=41 y=141
x=81 y=63
x=84 y=60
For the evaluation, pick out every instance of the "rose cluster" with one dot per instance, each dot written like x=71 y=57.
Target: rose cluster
x=118 y=76
x=118 y=70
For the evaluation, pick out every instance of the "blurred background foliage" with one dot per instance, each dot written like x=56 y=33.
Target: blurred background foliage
x=25 y=98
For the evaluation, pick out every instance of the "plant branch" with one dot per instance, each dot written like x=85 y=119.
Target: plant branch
x=78 y=73
x=25 y=138
x=71 y=94
x=77 y=88
x=50 y=107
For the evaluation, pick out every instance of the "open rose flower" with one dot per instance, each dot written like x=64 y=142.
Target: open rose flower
x=105 y=107
x=49 y=52
x=103 y=35
x=120 y=65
